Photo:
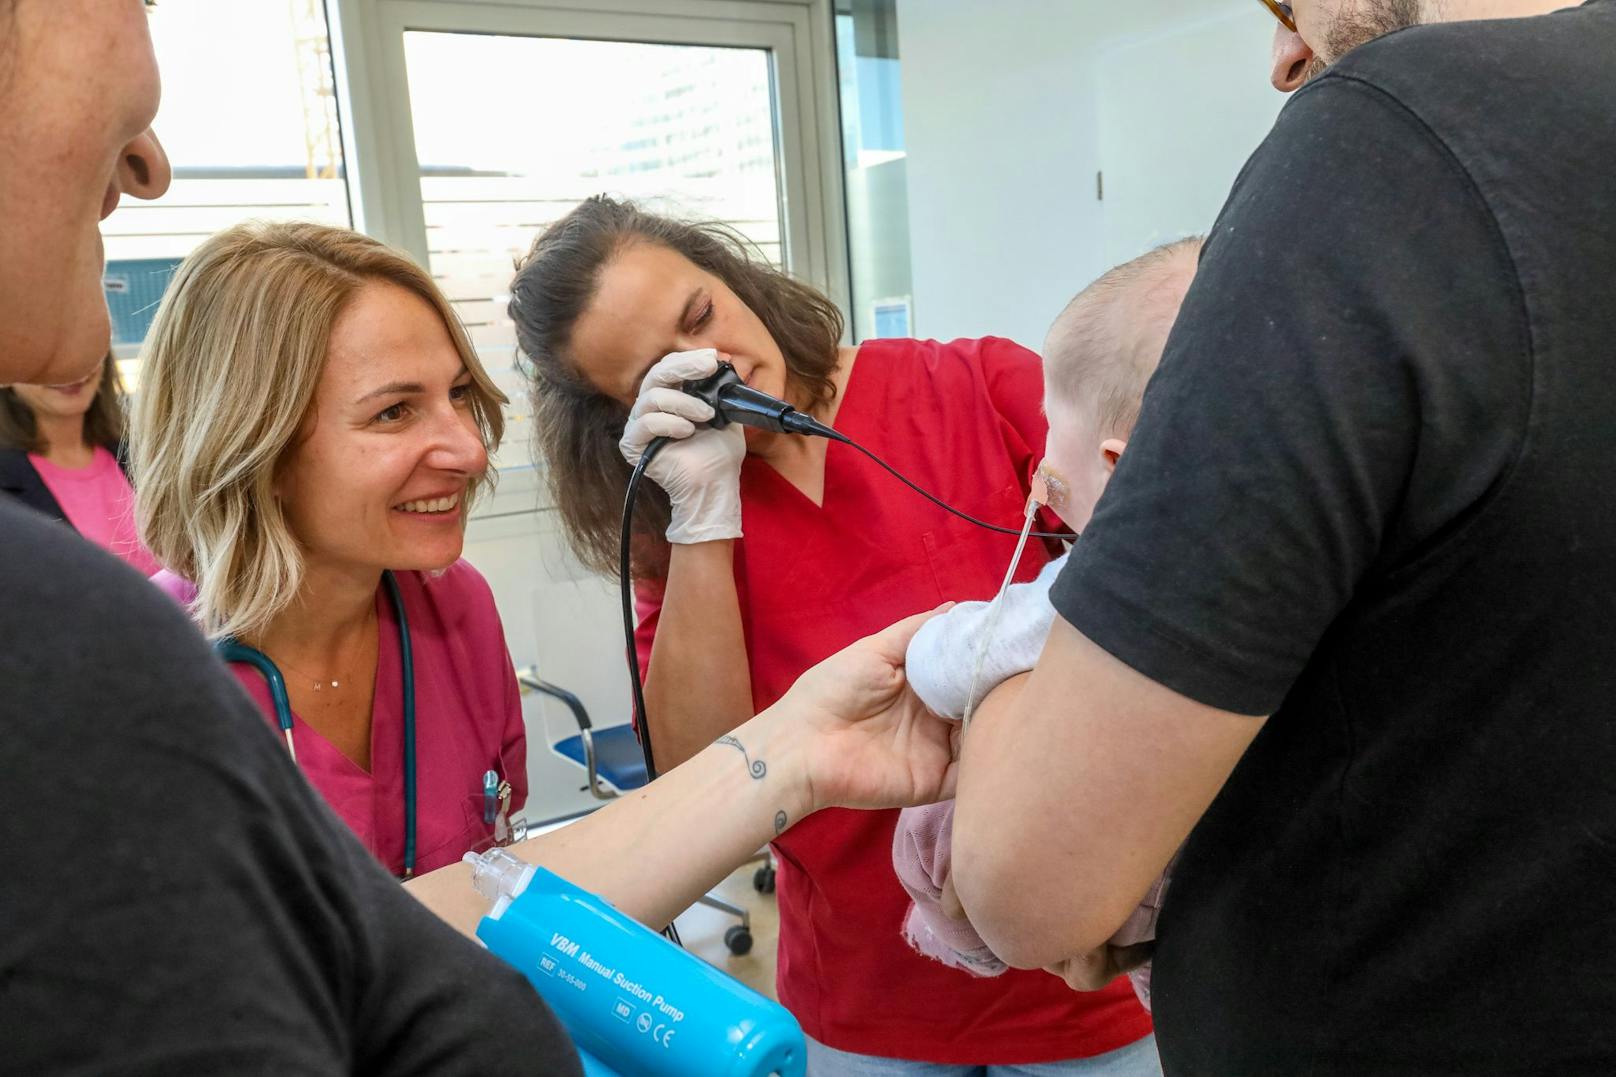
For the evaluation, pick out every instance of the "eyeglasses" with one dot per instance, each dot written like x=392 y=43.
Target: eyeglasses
x=1282 y=12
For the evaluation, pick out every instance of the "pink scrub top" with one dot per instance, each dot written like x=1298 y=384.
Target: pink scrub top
x=468 y=720
x=99 y=503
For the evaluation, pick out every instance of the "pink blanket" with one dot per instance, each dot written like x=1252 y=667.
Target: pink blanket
x=922 y=858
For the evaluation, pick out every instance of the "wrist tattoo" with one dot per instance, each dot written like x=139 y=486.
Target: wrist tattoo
x=756 y=767
x=779 y=823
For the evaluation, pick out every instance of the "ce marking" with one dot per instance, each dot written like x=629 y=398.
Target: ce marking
x=663 y=1035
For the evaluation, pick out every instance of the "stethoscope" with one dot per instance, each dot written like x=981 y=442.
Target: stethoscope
x=233 y=650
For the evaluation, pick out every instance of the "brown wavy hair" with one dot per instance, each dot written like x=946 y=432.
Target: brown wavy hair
x=103 y=423
x=576 y=426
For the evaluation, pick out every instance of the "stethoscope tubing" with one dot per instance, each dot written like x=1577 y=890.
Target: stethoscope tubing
x=233 y=651
x=407 y=661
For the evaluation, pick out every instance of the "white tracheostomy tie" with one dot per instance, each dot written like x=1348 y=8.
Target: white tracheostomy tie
x=1037 y=500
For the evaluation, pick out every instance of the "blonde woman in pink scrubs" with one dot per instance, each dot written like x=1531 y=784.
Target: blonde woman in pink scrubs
x=61 y=452
x=312 y=429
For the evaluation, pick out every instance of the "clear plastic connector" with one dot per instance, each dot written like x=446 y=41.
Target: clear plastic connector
x=497 y=874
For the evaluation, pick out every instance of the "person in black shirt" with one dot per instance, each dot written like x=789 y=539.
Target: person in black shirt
x=1343 y=618
x=175 y=899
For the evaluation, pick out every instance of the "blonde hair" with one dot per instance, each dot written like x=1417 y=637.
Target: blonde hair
x=1100 y=353
x=229 y=373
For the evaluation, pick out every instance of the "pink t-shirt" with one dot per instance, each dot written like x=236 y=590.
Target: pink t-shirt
x=468 y=720
x=99 y=503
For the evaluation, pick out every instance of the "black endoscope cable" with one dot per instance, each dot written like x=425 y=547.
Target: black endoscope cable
x=624 y=566
x=625 y=590
x=1063 y=536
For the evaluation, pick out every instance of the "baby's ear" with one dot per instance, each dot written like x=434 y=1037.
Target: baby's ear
x=1111 y=449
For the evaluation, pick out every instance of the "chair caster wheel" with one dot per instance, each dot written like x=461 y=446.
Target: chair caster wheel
x=763 y=879
x=739 y=941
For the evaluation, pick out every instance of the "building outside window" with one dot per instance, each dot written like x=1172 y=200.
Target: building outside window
x=249 y=115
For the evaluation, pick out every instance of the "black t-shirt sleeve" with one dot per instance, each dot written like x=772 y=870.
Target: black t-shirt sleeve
x=175 y=898
x=1329 y=408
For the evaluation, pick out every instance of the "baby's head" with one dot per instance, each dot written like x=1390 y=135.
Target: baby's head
x=1098 y=357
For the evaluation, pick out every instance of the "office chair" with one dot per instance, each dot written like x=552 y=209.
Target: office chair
x=612 y=759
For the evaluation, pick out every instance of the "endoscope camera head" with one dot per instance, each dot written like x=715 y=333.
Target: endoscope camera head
x=709 y=389
x=733 y=401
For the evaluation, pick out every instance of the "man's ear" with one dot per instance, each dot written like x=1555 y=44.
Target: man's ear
x=1111 y=450
x=1293 y=59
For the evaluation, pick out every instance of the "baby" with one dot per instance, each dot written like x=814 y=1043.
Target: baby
x=1098 y=357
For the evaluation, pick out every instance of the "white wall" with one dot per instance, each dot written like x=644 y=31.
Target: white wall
x=558 y=617
x=1005 y=111
x=1180 y=111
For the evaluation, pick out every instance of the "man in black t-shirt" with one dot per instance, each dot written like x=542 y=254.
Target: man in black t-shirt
x=176 y=898
x=173 y=896
x=1344 y=617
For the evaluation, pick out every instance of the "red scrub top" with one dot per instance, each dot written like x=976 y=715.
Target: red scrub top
x=468 y=721
x=964 y=421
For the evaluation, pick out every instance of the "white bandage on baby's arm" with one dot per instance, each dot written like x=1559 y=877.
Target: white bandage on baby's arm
x=943 y=652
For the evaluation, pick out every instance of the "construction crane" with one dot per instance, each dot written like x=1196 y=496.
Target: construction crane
x=322 y=140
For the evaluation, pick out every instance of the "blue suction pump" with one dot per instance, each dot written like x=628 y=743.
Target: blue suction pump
x=633 y=1002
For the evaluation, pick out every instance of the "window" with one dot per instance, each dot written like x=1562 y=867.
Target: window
x=684 y=129
x=249 y=113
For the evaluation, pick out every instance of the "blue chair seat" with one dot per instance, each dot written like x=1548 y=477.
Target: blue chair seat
x=618 y=758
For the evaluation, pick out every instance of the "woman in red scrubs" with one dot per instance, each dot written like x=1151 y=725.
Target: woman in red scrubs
x=312 y=427
x=759 y=555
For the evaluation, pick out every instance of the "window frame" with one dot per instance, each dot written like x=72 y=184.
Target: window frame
x=378 y=128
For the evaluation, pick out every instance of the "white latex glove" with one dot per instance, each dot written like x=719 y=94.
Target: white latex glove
x=700 y=469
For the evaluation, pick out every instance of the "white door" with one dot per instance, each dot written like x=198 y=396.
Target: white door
x=1181 y=109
